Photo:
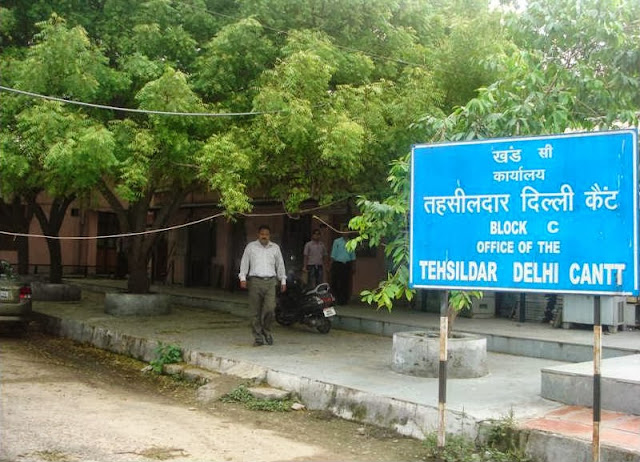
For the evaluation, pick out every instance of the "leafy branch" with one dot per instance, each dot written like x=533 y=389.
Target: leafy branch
x=386 y=223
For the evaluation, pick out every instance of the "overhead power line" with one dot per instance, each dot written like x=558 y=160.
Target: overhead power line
x=170 y=228
x=203 y=114
x=140 y=111
x=109 y=236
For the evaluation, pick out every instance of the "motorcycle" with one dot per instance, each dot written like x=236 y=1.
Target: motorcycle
x=312 y=307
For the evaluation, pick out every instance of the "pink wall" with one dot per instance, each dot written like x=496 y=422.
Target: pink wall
x=369 y=270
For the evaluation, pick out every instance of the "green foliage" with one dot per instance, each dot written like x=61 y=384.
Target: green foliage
x=461 y=69
x=563 y=70
x=301 y=147
x=8 y=24
x=386 y=223
x=6 y=270
x=66 y=152
x=234 y=58
x=502 y=445
x=460 y=299
x=242 y=395
x=171 y=44
x=504 y=436
x=347 y=87
x=572 y=66
x=224 y=165
x=165 y=354
x=457 y=449
x=63 y=62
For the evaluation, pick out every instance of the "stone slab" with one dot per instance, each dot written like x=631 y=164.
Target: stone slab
x=573 y=384
x=268 y=393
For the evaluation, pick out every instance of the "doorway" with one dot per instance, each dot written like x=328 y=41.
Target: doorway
x=201 y=243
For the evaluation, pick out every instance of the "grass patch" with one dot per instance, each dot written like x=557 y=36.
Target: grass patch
x=502 y=445
x=242 y=395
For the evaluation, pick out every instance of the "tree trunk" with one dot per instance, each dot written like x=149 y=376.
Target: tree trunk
x=55 y=258
x=138 y=282
x=138 y=252
x=133 y=219
x=51 y=226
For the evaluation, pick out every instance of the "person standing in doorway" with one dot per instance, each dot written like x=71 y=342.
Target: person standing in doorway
x=261 y=267
x=315 y=255
x=341 y=270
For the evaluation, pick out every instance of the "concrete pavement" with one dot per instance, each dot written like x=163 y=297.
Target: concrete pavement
x=349 y=371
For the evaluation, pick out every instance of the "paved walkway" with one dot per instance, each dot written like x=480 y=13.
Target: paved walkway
x=349 y=372
x=616 y=429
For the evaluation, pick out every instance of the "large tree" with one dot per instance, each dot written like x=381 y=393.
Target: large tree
x=50 y=148
x=571 y=66
x=159 y=161
x=337 y=87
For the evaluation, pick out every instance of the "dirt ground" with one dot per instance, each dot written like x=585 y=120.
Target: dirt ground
x=66 y=402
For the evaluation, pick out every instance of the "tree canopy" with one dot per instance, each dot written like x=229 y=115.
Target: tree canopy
x=304 y=100
x=570 y=66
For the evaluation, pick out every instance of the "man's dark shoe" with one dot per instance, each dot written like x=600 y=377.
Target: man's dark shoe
x=269 y=339
x=257 y=343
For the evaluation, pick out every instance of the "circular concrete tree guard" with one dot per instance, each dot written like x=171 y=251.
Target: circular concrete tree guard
x=125 y=304
x=45 y=291
x=418 y=353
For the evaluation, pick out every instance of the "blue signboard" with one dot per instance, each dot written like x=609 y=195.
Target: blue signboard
x=539 y=214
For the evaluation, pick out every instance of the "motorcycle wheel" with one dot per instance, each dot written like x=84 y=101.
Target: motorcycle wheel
x=324 y=326
x=281 y=319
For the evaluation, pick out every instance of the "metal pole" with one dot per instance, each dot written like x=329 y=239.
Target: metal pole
x=597 y=353
x=522 y=314
x=442 y=373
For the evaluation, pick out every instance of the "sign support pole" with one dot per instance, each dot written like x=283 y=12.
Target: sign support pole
x=442 y=373
x=479 y=222
x=522 y=312
x=597 y=354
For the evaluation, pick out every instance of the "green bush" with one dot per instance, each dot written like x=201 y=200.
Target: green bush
x=502 y=445
x=165 y=354
x=242 y=395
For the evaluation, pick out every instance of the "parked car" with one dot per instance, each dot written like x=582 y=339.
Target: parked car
x=15 y=297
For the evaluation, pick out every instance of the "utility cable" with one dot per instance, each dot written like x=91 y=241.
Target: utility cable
x=169 y=228
x=86 y=238
x=139 y=111
x=332 y=228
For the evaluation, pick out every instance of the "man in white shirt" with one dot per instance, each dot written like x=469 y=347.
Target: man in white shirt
x=261 y=267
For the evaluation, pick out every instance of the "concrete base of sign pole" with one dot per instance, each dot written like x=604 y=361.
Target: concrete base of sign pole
x=417 y=353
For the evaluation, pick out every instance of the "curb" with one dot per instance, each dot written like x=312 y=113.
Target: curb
x=406 y=418
x=551 y=447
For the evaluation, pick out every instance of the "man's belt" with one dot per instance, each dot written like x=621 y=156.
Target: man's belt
x=262 y=278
